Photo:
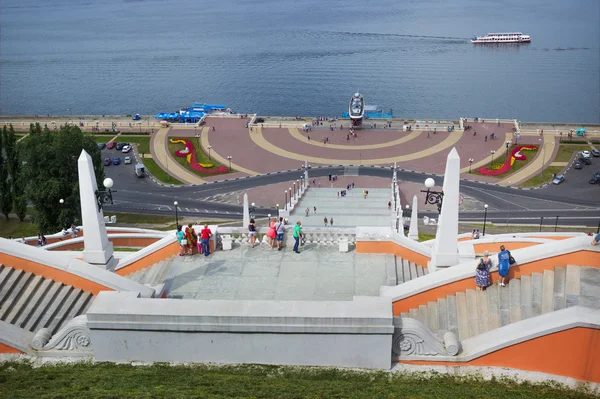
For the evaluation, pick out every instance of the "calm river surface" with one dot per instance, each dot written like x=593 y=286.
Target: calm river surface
x=289 y=57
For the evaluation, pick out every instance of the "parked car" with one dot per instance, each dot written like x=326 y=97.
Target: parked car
x=586 y=161
x=558 y=179
x=101 y=146
x=126 y=148
x=120 y=146
x=585 y=154
x=596 y=153
x=127 y=160
x=106 y=162
x=117 y=161
x=577 y=165
x=111 y=145
x=595 y=180
x=597 y=174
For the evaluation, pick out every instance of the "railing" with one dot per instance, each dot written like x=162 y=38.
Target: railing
x=312 y=235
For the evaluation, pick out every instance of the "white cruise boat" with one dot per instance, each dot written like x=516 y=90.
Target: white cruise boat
x=511 y=37
x=357 y=107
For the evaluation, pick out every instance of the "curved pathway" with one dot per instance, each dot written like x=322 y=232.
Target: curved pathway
x=297 y=135
x=159 y=147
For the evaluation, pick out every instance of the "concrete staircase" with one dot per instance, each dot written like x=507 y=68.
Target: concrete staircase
x=472 y=312
x=32 y=302
x=155 y=274
x=406 y=271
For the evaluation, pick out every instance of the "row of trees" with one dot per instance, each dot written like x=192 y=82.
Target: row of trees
x=41 y=170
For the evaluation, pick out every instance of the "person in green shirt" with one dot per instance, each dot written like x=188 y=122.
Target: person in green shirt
x=297 y=235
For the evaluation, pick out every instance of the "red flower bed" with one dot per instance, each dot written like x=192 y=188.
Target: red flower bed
x=191 y=157
x=510 y=160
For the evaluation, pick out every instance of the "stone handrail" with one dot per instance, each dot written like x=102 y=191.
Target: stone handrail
x=316 y=235
x=80 y=239
x=56 y=260
x=466 y=270
x=165 y=241
x=387 y=234
x=109 y=230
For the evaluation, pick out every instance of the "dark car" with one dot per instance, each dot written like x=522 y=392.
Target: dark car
x=106 y=162
x=116 y=161
x=120 y=146
x=101 y=146
x=597 y=174
x=586 y=161
x=259 y=120
x=596 y=153
x=577 y=165
x=595 y=180
x=111 y=145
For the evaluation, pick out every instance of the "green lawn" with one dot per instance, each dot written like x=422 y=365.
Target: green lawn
x=546 y=177
x=143 y=143
x=565 y=151
x=529 y=155
x=102 y=139
x=158 y=173
x=201 y=156
x=17 y=229
x=426 y=237
x=104 y=380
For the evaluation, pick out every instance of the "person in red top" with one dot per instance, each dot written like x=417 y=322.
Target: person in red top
x=205 y=235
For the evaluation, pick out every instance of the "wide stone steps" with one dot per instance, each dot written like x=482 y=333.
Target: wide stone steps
x=154 y=274
x=32 y=302
x=406 y=271
x=472 y=312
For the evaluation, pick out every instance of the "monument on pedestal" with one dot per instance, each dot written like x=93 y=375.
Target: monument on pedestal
x=445 y=248
x=413 y=231
x=97 y=249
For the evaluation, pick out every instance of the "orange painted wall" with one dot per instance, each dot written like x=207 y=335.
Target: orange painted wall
x=570 y=353
x=52 y=273
x=154 y=257
x=391 y=248
x=587 y=258
x=8 y=349
x=553 y=237
x=117 y=242
x=495 y=246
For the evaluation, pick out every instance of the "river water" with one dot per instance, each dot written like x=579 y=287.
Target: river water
x=289 y=57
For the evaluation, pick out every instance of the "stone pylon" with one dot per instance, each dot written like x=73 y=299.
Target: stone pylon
x=445 y=249
x=246 y=220
x=97 y=249
x=413 y=231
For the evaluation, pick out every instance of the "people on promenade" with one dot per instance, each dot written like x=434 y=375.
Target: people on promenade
x=315 y=209
x=205 y=235
x=271 y=233
x=482 y=272
x=307 y=211
x=252 y=232
x=325 y=221
x=180 y=235
x=389 y=204
x=504 y=258
x=331 y=221
x=596 y=239
x=297 y=236
x=192 y=238
x=279 y=229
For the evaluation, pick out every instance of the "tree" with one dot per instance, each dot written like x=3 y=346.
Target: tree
x=5 y=192
x=13 y=165
x=50 y=174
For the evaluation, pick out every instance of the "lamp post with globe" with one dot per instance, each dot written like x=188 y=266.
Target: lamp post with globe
x=433 y=197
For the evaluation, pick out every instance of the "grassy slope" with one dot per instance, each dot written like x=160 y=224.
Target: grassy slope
x=162 y=381
x=158 y=173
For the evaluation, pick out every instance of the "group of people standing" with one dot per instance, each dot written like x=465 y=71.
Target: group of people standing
x=484 y=265
x=188 y=240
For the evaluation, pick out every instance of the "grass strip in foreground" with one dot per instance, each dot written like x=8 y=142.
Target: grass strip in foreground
x=545 y=177
x=159 y=174
x=106 y=380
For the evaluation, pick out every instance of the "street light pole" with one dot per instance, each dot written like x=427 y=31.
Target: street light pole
x=295 y=197
x=209 y=147
x=471 y=160
x=541 y=222
x=229 y=158
x=493 y=152
x=543 y=160
x=277 y=205
x=286 y=200
x=556 y=223
x=485 y=208
x=176 y=215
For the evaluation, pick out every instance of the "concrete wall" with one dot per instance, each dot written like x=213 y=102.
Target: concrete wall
x=338 y=333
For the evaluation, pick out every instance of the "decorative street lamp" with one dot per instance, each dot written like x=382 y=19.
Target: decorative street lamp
x=485 y=208
x=493 y=152
x=252 y=211
x=176 y=216
x=286 y=202
x=433 y=197
x=198 y=137
x=208 y=148
x=471 y=160
x=290 y=191
x=104 y=196
x=229 y=158
x=294 y=195
x=298 y=192
x=277 y=206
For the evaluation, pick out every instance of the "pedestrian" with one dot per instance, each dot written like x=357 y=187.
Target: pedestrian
x=477 y=235
x=44 y=242
x=352 y=185
x=486 y=137
x=338 y=194
x=331 y=221
x=279 y=229
x=473 y=235
x=271 y=233
x=503 y=265
x=596 y=239
x=482 y=272
x=309 y=137
x=325 y=221
x=297 y=236
x=364 y=194
x=315 y=210
x=306 y=211
x=205 y=236
x=329 y=176
x=252 y=232
x=428 y=135
x=389 y=204
x=191 y=237
x=180 y=235
x=40 y=239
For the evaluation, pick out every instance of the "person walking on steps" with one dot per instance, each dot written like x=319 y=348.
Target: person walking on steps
x=315 y=209
x=325 y=221
x=279 y=229
x=331 y=221
x=297 y=236
x=482 y=272
x=504 y=258
x=205 y=235
x=307 y=211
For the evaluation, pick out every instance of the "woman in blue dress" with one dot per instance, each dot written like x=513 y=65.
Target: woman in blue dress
x=503 y=265
x=482 y=272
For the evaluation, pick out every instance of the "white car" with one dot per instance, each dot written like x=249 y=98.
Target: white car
x=127 y=160
x=126 y=148
x=585 y=154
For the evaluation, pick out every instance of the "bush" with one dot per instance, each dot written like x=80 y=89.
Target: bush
x=574 y=142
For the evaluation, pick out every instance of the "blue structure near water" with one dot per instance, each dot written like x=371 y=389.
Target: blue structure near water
x=373 y=112
x=192 y=114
